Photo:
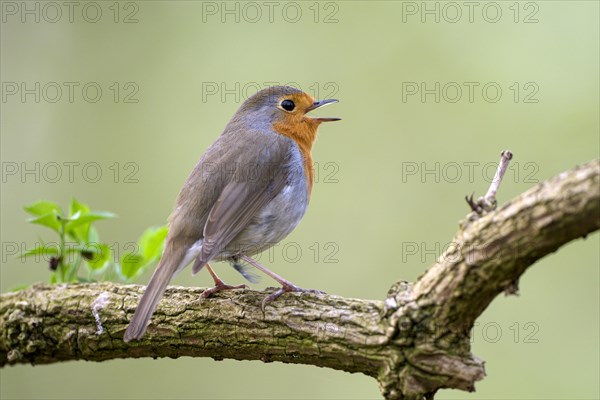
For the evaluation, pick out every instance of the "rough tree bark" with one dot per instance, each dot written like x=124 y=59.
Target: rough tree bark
x=414 y=342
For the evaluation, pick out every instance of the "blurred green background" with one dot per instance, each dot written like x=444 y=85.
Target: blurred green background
x=391 y=176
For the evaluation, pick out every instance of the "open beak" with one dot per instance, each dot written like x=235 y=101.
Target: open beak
x=322 y=103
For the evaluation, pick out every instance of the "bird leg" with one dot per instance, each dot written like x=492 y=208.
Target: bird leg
x=286 y=286
x=219 y=284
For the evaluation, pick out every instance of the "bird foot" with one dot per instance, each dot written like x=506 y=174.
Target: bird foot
x=217 y=288
x=286 y=289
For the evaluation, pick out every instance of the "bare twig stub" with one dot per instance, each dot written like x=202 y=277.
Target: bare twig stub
x=488 y=202
x=505 y=158
x=414 y=342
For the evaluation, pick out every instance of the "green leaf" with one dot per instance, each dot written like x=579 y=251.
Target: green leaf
x=76 y=206
x=49 y=220
x=150 y=246
x=80 y=221
x=131 y=265
x=87 y=218
x=79 y=232
x=43 y=207
x=43 y=250
x=151 y=243
x=93 y=236
x=98 y=258
x=74 y=217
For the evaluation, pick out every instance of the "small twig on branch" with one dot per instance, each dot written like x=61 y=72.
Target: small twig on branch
x=488 y=202
x=505 y=158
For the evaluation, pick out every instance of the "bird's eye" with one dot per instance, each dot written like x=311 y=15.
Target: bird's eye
x=288 y=105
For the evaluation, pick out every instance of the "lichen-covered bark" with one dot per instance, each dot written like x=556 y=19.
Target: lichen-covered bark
x=53 y=323
x=414 y=342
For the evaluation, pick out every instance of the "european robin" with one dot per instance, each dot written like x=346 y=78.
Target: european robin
x=249 y=190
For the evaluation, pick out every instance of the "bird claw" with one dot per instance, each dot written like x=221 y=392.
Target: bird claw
x=217 y=288
x=286 y=289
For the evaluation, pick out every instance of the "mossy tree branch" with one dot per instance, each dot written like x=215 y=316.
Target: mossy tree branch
x=414 y=342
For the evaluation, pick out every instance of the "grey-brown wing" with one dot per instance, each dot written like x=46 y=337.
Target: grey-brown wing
x=239 y=202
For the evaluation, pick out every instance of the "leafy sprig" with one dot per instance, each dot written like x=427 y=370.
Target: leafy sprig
x=79 y=245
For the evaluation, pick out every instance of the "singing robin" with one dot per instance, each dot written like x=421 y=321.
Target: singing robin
x=249 y=190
